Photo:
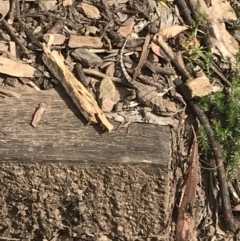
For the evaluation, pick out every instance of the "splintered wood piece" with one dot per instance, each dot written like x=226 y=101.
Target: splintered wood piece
x=39 y=114
x=77 y=41
x=79 y=94
x=16 y=68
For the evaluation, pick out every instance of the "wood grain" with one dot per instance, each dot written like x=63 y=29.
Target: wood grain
x=62 y=134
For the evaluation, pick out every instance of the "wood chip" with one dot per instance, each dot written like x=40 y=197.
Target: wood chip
x=16 y=68
x=3 y=46
x=90 y=11
x=197 y=87
x=58 y=39
x=86 y=57
x=67 y=3
x=39 y=114
x=125 y=30
x=77 y=41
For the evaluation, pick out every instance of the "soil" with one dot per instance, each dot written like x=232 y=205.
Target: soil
x=73 y=202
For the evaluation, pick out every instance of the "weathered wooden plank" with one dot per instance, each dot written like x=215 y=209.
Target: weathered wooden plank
x=62 y=134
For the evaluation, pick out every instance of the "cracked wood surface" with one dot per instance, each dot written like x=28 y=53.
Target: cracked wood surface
x=62 y=134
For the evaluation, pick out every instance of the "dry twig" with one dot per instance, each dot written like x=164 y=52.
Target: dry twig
x=14 y=37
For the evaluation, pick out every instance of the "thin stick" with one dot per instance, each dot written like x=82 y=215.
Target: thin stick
x=102 y=75
x=14 y=37
x=28 y=33
x=11 y=11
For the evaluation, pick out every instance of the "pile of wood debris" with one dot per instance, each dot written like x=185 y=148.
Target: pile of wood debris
x=78 y=45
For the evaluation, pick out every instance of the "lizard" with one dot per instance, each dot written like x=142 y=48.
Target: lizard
x=148 y=95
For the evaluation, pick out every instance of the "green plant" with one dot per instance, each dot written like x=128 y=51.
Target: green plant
x=200 y=21
x=203 y=140
x=237 y=23
x=223 y=108
x=192 y=48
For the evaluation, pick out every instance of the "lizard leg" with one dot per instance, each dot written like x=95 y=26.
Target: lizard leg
x=119 y=106
x=129 y=98
x=164 y=91
x=144 y=113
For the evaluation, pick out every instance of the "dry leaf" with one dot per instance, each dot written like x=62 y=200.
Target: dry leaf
x=125 y=30
x=187 y=225
x=192 y=43
x=222 y=10
x=217 y=38
x=172 y=31
x=4 y=8
x=185 y=222
x=165 y=33
x=156 y=49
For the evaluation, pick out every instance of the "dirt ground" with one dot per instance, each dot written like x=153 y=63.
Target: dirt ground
x=72 y=202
